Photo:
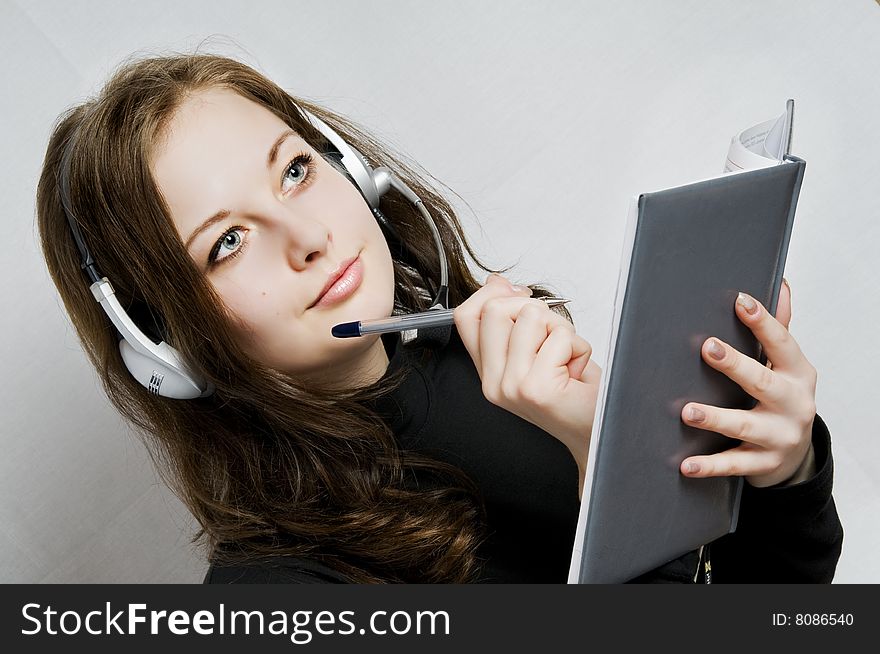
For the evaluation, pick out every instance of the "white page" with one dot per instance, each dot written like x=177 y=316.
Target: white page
x=761 y=145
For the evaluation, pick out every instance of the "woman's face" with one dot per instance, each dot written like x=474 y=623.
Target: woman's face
x=290 y=224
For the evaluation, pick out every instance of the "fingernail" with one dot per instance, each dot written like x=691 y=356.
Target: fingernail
x=715 y=350
x=785 y=281
x=696 y=415
x=517 y=289
x=747 y=303
x=692 y=467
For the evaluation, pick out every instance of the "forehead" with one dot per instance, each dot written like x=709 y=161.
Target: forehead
x=213 y=149
x=216 y=115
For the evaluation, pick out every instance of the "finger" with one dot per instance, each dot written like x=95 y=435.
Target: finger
x=528 y=334
x=549 y=374
x=779 y=345
x=749 y=426
x=592 y=374
x=783 y=306
x=759 y=381
x=467 y=315
x=744 y=460
x=783 y=309
x=532 y=326
x=578 y=365
x=496 y=325
x=558 y=351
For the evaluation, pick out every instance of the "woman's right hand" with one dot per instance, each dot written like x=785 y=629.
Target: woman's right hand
x=532 y=362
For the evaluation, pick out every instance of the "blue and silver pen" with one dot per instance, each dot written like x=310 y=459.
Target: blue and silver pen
x=425 y=319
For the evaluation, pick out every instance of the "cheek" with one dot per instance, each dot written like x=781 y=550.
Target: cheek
x=255 y=312
x=386 y=269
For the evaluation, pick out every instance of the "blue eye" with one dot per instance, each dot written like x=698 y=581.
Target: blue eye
x=299 y=170
x=229 y=245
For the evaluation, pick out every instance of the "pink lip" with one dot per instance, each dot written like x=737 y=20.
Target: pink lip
x=341 y=283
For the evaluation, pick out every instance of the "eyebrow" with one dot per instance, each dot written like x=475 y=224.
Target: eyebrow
x=223 y=213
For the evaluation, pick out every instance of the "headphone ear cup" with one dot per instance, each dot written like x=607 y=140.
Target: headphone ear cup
x=159 y=379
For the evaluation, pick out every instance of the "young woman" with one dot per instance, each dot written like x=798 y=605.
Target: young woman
x=233 y=229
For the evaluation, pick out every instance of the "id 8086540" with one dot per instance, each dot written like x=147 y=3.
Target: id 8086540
x=812 y=619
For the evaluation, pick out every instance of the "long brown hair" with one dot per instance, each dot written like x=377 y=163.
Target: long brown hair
x=258 y=463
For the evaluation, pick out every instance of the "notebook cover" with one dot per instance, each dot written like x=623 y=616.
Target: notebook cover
x=694 y=248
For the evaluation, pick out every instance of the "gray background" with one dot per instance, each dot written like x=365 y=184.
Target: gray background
x=545 y=117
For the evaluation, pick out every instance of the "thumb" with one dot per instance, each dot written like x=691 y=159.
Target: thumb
x=578 y=365
x=580 y=357
x=783 y=305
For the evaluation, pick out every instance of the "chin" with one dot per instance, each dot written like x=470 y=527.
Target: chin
x=374 y=299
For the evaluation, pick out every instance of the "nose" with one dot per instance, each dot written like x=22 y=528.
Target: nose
x=304 y=239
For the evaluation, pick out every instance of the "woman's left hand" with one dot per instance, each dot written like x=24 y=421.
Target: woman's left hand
x=777 y=432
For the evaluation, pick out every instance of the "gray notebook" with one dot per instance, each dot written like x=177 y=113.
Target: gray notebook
x=689 y=250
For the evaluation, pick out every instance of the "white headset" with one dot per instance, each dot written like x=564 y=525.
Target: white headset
x=158 y=366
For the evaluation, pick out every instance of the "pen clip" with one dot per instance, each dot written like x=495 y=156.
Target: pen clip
x=440 y=302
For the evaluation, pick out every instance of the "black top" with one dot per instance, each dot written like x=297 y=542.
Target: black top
x=529 y=482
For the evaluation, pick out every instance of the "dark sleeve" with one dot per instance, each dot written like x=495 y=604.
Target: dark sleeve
x=786 y=534
x=275 y=570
